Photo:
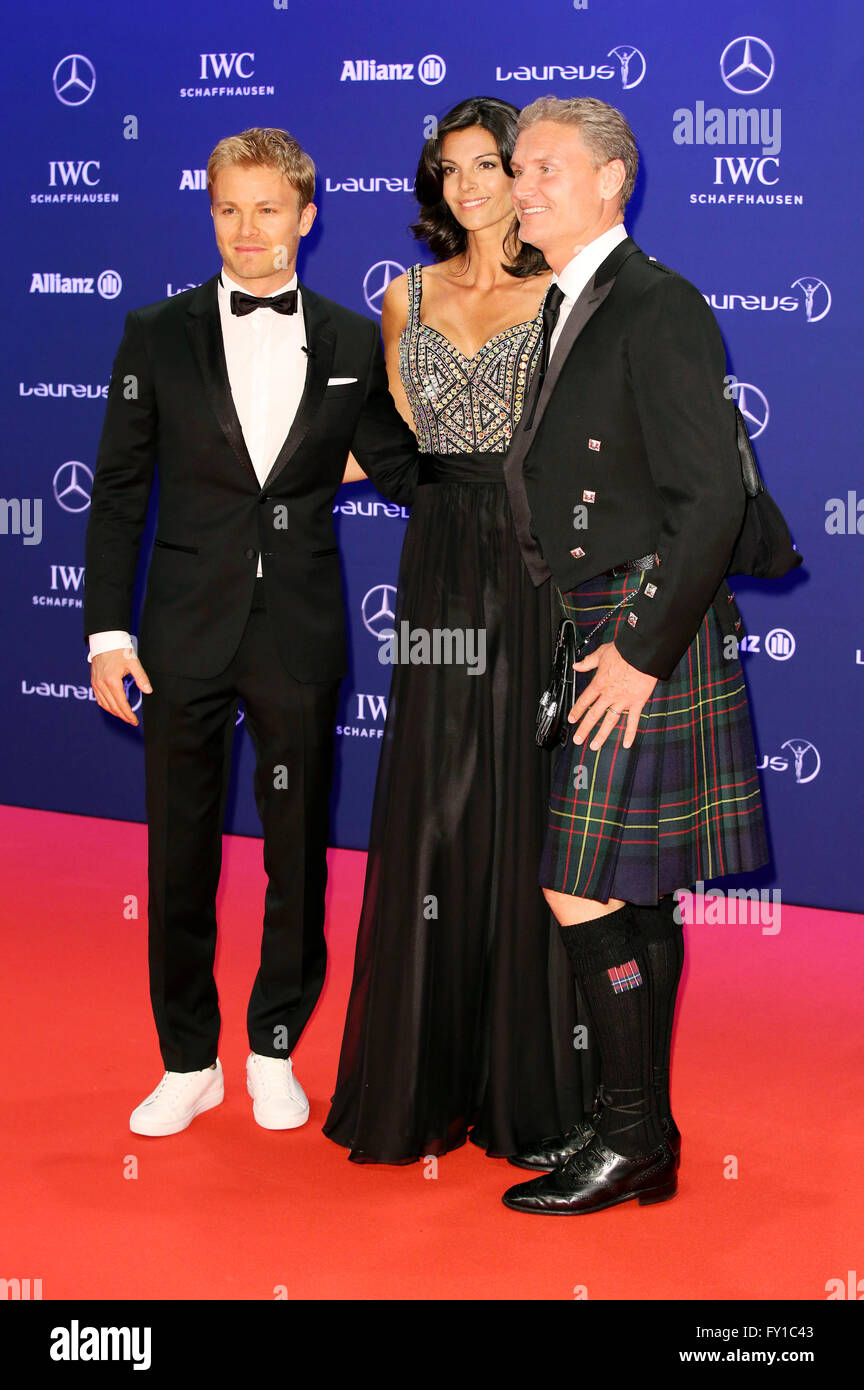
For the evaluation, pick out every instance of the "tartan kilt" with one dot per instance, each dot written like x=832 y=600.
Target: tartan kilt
x=683 y=803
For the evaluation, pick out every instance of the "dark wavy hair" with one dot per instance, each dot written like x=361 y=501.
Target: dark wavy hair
x=436 y=225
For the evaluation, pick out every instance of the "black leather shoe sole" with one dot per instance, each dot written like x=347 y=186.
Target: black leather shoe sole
x=649 y=1197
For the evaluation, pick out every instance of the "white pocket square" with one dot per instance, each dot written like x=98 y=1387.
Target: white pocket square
x=341 y=380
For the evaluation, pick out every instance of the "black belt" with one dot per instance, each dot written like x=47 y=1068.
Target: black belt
x=462 y=468
x=647 y=562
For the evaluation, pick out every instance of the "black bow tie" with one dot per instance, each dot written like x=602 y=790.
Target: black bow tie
x=247 y=303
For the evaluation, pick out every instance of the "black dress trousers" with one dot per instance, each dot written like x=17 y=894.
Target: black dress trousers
x=188 y=733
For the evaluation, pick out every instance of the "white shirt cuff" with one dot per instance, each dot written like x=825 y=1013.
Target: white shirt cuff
x=110 y=642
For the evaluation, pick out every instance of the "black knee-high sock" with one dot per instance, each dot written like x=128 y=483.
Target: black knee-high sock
x=613 y=975
x=663 y=944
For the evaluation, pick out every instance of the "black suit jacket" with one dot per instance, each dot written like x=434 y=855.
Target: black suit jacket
x=633 y=451
x=170 y=401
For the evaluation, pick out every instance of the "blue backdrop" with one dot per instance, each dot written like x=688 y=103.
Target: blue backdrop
x=747 y=119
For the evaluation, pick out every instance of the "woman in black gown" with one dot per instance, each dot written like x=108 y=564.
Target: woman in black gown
x=462 y=1011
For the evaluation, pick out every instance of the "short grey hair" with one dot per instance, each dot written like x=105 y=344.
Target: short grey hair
x=604 y=130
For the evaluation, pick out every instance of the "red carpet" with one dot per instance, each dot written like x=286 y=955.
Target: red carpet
x=768 y=1067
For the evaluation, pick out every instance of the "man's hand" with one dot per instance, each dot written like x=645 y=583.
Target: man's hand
x=106 y=676
x=617 y=688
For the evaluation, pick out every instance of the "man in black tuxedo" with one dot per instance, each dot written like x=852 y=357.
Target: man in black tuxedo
x=245 y=395
x=625 y=486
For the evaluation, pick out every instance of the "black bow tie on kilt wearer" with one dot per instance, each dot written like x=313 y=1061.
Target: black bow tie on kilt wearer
x=242 y=303
x=551 y=307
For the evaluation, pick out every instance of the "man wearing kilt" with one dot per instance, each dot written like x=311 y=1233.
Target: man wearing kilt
x=625 y=487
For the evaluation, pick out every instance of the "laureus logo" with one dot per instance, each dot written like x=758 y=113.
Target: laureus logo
x=806 y=760
x=817 y=297
x=631 y=62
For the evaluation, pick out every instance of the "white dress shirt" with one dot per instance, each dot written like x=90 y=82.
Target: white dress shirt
x=267 y=372
x=578 y=272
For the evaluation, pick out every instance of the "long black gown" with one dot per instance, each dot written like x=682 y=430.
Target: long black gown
x=462 y=1011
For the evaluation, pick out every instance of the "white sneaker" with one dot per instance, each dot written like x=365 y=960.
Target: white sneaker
x=179 y=1097
x=279 y=1101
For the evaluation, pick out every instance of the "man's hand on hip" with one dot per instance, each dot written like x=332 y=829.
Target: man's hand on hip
x=106 y=676
x=616 y=689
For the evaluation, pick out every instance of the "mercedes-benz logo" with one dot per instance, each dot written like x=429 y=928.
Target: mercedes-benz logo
x=817 y=297
x=431 y=70
x=379 y=613
x=800 y=748
x=376 y=280
x=632 y=62
x=74 y=79
x=133 y=694
x=747 y=64
x=109 y=284
x=72 y=484
x=753 y=405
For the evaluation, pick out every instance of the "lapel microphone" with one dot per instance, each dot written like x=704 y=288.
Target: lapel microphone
x=310 y=352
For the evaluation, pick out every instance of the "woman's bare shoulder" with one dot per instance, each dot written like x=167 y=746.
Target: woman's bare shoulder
x=395 y=300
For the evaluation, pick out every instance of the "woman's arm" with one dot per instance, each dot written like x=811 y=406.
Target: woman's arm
x=394 y=316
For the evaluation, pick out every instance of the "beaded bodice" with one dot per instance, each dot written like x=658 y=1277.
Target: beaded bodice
x=464 y=405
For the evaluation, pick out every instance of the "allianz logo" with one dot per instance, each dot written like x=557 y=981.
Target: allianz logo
x=815 y=298
x=378 y=184
x=430 y=70
x=779 y=643
x=108 y=283
x=59 y=390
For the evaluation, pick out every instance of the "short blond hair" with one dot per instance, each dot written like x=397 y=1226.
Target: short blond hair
x=604 y=130
x=267 y=146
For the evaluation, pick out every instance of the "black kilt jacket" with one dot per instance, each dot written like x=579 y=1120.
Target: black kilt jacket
x=632 y=450
x=170 y=414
